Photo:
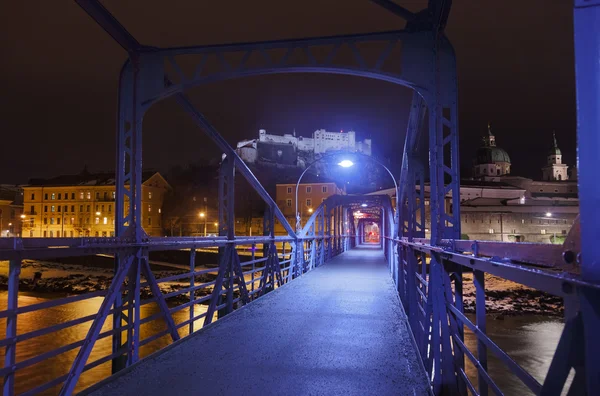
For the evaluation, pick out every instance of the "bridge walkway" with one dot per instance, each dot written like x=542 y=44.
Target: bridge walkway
x=339 y=329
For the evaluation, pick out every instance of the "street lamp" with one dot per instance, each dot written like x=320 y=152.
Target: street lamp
x=345 y=163
x=203 y=216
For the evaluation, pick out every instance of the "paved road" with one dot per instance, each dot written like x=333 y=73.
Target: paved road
x=338 y=330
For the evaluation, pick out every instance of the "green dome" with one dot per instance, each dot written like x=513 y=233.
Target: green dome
x=554 y=151
x=490 y=155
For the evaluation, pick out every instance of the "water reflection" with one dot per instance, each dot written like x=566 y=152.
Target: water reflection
x=42 y=372
x=529 y=340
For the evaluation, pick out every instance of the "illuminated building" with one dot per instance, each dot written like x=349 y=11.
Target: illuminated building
x=83 y=205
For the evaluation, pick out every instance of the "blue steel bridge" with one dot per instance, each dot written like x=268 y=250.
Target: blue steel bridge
x=334 y=315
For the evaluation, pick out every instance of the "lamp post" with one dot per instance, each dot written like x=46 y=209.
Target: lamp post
x=345 y=163
x=203 y=216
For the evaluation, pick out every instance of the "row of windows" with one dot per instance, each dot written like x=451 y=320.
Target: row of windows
x=57 y=220
x=71 y=234
x=514 y=231
x=87 y=195
x=508 y=219
x=53 y=208
x=288 y=202
x=82 y=221
x=308 y=189
x=65 y=208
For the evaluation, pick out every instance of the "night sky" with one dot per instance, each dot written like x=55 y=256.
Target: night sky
x=59 y=75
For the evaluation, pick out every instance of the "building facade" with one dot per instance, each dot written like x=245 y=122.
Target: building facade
x=495 y=205
x=310 y=196
x=290 y=150
x=84 y=205
x=11 y=211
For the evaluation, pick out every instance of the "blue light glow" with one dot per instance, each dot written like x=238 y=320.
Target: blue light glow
x=346 y=163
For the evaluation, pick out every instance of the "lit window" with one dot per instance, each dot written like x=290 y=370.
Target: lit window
x=97 y=220
x=113 y=195
x=81 y=195
x=51 y=220
x=88 y=195
x=149 y=194
x=324 y=189
x=308 y=189
x=53 y=196
x=159 y=211
x=105 y=220
x=289 y=190
x=149 y=208
x=72 y=221
x=491 y=230
x=543 y=232
x=52 y=208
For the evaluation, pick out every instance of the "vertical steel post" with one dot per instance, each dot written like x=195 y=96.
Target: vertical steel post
x=587 y=72
x=227 y=228
x=479 y=279
x=14 y=271
x=192 y=285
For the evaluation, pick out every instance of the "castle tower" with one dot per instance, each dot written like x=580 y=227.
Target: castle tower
x=555 y=169
x=490 y=160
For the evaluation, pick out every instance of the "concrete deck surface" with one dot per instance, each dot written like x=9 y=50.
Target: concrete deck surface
x=338 y=330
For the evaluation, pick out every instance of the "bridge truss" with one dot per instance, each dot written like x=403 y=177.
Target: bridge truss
x=428 y=272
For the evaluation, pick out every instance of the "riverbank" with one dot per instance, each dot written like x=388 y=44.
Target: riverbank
x=506 y=298
x=67 y=279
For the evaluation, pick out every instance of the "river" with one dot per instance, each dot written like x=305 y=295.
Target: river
x=530 y=340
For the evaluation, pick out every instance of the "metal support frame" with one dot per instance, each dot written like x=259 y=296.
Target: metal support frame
x=431 y=292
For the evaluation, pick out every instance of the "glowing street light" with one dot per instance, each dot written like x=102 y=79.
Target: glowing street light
x=201 y=214
x=310 y=210
x=548 y=214
x=23 y=216
x=363 y=205
x=345 y=163
x=98 y=213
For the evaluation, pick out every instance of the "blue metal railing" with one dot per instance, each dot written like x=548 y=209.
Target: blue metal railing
x=191 y=292
x=431 y=292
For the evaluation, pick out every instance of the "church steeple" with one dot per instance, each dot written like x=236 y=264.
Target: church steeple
x=490 y=139
x=555 y=169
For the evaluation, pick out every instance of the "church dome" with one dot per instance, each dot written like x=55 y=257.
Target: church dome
x=554 y=151
x=491 y=155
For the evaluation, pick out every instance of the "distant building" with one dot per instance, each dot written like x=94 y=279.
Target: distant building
x=490 y=160
x=310 y=196
x=11 y=210
x=83 y=205
x=289 y=150
x=495 y=205
x=555 y=169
